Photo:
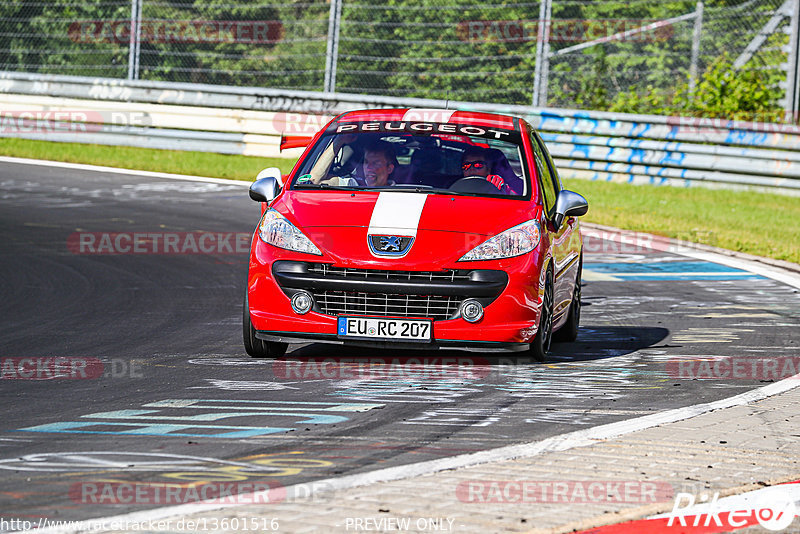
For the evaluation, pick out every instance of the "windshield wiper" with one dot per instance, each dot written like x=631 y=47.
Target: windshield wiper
x=412 y=189
x=326 y=186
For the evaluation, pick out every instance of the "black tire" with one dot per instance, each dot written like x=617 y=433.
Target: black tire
x=258 y=348
x=541 y=343
x=569 y=331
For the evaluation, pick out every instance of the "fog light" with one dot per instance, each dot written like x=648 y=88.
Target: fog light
x=472 y=310
x=302 y=302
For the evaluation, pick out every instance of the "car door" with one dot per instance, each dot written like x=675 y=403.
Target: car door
x=564 y=249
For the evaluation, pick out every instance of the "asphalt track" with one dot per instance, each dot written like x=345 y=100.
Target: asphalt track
x=153 y=386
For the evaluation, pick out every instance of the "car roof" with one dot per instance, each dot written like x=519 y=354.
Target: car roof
x=472 y=118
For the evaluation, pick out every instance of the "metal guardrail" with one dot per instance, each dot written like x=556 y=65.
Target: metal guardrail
x=239 y=120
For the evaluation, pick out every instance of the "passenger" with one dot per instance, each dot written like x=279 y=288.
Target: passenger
x=474 y=163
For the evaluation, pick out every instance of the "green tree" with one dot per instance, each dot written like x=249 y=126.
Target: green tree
x=722 y=91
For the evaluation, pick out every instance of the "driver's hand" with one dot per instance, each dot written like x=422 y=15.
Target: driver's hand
x=342 y=140
x=496 y=181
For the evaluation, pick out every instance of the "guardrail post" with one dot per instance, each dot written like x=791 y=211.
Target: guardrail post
x=696 y=36
x=792 y=102
x=332 y=54
x=135 y=39
x=542 y=54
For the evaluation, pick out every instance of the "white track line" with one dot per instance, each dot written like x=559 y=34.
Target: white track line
x=668 y=245
x=580 y=438
x=789 y=279
x=115 y=170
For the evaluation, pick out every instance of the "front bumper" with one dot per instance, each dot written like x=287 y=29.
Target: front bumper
x=348 y=291
x=508 y=290
x=476 y=346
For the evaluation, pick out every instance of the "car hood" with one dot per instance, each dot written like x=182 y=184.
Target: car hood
x=403 y=213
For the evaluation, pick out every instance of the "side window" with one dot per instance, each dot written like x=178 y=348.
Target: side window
x=553 y=170
x=545 y=176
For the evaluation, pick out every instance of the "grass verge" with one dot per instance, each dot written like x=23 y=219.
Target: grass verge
x=763 y=224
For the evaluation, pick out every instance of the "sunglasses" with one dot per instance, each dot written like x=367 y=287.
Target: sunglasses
x=476 y=164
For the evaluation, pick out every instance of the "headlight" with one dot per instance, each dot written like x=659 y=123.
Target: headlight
x=276 y=230
x=513 y=242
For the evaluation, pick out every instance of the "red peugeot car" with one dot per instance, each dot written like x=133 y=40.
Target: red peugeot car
x=416 y=228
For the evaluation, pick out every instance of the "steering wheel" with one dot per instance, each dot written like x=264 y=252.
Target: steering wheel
x=474 y=184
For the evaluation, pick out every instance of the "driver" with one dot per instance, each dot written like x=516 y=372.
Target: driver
x=320 y=172
x=475 y=164
x=379 y=163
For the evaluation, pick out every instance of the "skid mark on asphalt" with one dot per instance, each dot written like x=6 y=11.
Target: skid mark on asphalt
x=409 y=390
x=115 y=461
x=707 y=335
x=244 y=385
x=142 y=480
x=467 y=417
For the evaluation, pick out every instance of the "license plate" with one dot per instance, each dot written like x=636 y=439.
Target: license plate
x=414 y=330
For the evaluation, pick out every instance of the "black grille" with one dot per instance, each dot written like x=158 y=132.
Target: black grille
x=435 y=295
x=438 y=308
x=325 y=269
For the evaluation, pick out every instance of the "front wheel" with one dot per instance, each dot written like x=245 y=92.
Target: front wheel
x=541 y=343
x=258 y=348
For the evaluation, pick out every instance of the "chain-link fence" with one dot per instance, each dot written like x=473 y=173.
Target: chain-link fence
x=563 y=53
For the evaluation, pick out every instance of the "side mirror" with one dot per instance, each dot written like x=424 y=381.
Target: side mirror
x=569 y=204
x=267 y=185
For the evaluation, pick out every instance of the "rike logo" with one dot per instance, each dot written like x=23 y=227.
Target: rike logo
x=773 y=508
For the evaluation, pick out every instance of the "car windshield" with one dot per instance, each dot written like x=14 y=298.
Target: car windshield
x=441 y=158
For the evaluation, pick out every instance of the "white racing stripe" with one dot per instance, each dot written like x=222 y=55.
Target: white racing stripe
x=397 y=214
